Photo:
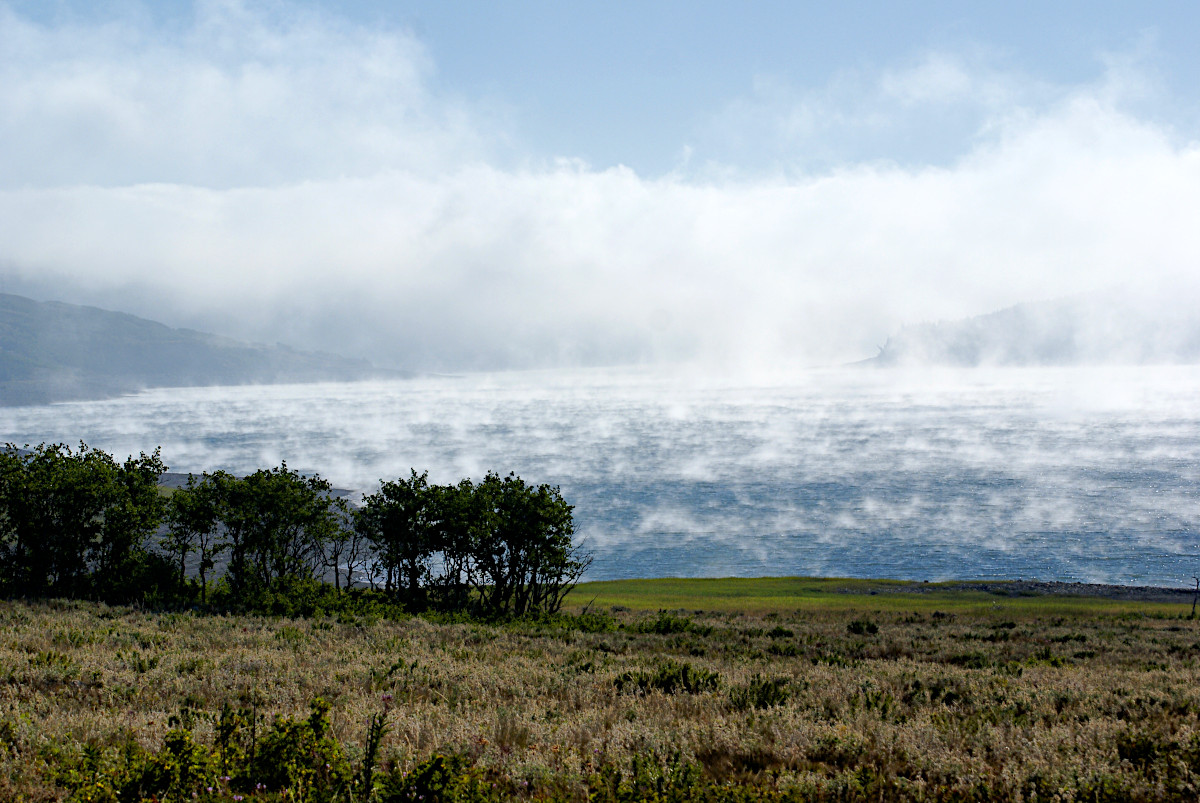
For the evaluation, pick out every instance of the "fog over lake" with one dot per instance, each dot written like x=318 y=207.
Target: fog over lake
x=1085 y=474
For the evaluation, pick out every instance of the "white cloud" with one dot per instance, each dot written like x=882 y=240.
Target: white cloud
x=931 y=110
x=242 y=98
x=296 y=179
x=937 y=79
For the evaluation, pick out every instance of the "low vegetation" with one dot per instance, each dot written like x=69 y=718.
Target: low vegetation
x=828 y=696
x=457 y=675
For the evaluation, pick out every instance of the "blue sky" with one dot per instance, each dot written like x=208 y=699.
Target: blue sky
x=639 y=84
x=533 y=183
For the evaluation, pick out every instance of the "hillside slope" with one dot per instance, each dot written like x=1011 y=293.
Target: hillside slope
x=51 y=351
x=1083 y=330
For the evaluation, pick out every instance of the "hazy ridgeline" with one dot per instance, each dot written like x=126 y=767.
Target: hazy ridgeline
x=1085 y=474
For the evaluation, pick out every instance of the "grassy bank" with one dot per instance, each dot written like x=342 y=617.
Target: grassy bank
x=810 y=688
x=799 y=595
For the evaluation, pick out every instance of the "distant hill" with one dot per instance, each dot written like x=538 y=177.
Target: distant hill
x=1083 y=330
x=51 y=351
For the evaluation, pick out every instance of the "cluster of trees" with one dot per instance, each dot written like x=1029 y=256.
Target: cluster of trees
x=269 y=528
x=500 y=544
x=75 y=523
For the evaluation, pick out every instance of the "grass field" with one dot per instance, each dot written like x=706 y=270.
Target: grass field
x=808 y=594
x=770 y=689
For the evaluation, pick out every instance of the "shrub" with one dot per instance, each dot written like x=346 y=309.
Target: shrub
x=298 y=758
x=649 y=779
x=834 y=658
x=181 y=767
x=1144 y=749
x=670 y=677
x=760 y=692
x=440 y=779
x=861 y=627
x=1045 y=657
x=665 y=624
x=970 y=660
x=595 y=622
x=841 y=750
x=302 y=756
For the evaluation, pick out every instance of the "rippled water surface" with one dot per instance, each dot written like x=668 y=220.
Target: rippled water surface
x=1072 y=474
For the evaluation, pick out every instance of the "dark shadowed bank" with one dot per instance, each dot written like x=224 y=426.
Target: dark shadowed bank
x=1100 y=590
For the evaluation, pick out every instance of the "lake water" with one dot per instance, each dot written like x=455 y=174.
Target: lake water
x=1083 y=474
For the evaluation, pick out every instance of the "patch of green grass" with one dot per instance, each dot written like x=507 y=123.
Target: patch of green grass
x=761 y=595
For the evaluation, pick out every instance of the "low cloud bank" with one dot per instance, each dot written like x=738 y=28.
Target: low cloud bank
x=295 y=179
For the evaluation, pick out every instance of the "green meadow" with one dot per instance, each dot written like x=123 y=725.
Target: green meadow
x=808 y=594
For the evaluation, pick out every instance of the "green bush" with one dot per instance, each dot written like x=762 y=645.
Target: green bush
x=296 y=758
x=594 y=622
x=301 y=756
x=665 y=624
x=438 y=780
x=671 y=677
x=179 y=769
x=650 y=779
x=300 y=760
x=760 y=692
x=307 y=598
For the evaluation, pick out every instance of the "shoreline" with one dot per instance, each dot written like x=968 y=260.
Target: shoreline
x=764 y=594
x=1048 y=588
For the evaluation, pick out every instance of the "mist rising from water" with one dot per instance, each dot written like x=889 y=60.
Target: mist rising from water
x=1073 y=474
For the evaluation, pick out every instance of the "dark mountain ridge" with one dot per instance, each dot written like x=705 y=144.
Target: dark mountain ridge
x=50 y=351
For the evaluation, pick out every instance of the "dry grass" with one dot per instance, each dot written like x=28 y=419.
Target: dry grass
x=997 y=699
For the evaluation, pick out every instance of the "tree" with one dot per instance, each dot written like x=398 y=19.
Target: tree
x=61 y=516
x=135 y=510
x=13 y=557
x=277 y=523
x=399 y=523
x=523 y=554
x=193 y=517
x=505 y=546
x=345 y=549
x=76 y=522
x=458 y=518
